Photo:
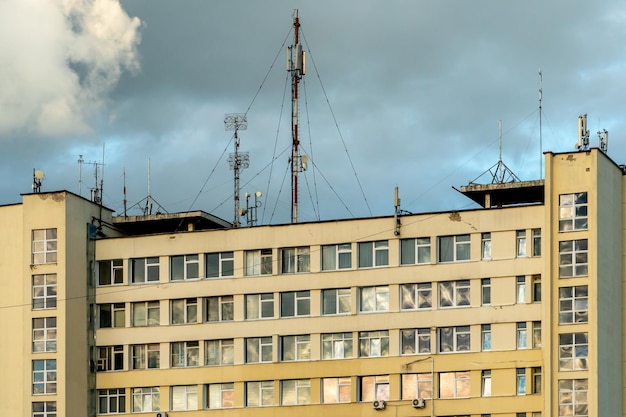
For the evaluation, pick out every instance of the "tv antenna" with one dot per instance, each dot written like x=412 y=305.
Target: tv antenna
x=540 y=133
x=250 y=212
x=38 y=176
x=237 y=161
x=603 y=140
x=500 y=173
x=583 y=133
x=95 y=192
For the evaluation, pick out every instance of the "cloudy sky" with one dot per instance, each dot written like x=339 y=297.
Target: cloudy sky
x=397 y=93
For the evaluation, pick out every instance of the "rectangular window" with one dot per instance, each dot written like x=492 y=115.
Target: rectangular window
x=486 y=337
x=337 y=346
x=184 y=311
x=336 y=257
x=454 y=248
x=336 y=390
x=259 y=349
x=110 y=358
x=112 y=315
x=573 y=351
x=374 y=344
x=573 y=258
x=45 y=334
x=573 y=305
x=184 y=267
x=146 y=313
x=44 y=246
x=521 y=381
x=520 y=239
x=184 y=354
x=293 y=304
x=454 y=384
x=295 y=392
x=111 y=272
x=536 y=335
x=522 y=335
x=520 y=289
x=44 y=376
x=258 y=262
x=573 y=212
x=259 y=306
x=536 y=372
x=337 y=301
x=373 y=254
x=259 y=393
x=573 y=400
x=144 y=270
x=454 y=339
x=221 y=395
x=454 y=293
x=44 y=291
x=536 y=280
x=415 y=251
x=374 y=388
x=416 y=296
x=219 y=308
x=374 y=299
x=485 y=290
x=536 y=242
x=112 y=401
x=417 y=386
x=486 y=383
x=414 y=341
x=219 y=352
x=295 y=260
x=295 y=348
x=146 y=399
x=219 y=265
x=184 y=397
x=486 y=245
x=45 y=409
x=145 y=356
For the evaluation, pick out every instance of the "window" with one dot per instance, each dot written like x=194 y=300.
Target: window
x=521 y=381
x=416 y=296
x=485 y=290
x=44 y=246
x=572 y=212
x=219 y=352
x=520 y=289
x=454 y=248
x=183 y=267
x=295 y=392
x=146 y=313
x=486 y=383
x=372 y=254
x=486 y=337
x=536 y=373
x=184 y=311
x=536 y=281
x=144 y=270
x=258 y=262
x=521 y=335
x=337 y=346
x=573 y=351
x=259 y=393
x=336 y=301
x=294 y=304
x=112 y=401
x=454 y=339
x=336 y=257
x=145 y=356
x=45 y=376
x=374 y=299
x=44 y=291
x=110 y=358
x=573 y=305
x=454 y=384
x=573 y=398
x=415 y=251
x=146 y=399
x=336 y=390
x=520 y=243
x=414 y=341
x=259 y=349
x=184 y=354
x=295 y=348
x=111 y=272
x=295 y=260
x=373 y=388
x=184 y=397
x=45 y=409
x=112 y=315
x=374 y=344
x=454 y=293
x=221 y=395
x=219 y=265
x=573 y=258
x=486 y=245
x=536 y=242
x=259 y=306
x=219 y=308
x=45 y=334
x=417 y=386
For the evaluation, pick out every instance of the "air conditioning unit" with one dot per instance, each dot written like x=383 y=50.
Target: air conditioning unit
x=161 y=414
x=419 y=403
x=379 y=405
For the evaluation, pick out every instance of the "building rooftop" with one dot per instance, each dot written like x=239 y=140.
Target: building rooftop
x=169 y=223
x=507 y=194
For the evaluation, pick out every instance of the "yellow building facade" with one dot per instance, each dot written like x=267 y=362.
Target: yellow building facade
x=513 y=309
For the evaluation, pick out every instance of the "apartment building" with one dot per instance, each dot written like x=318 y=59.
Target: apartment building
x=511 y=309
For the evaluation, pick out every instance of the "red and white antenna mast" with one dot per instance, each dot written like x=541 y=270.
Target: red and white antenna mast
x=296 y=66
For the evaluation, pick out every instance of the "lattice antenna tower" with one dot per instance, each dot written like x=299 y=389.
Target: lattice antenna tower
x=237 y=160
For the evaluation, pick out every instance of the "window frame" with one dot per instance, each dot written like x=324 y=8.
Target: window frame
x=335 y=343
x=536 y=242
x=225 y=394
x=144 y=270
x=520 y=289
x=457 y=290
x=418 y=294
x=521 y=335
x=44 y=291
x=258 y=262
x=575 y=390
x=520 y=244
x=336 y=390
x=44 y=409
x=145 y=356
x=116 y=396
x=219 y=265
x=335 y=299
x=415 y=251
x=379 y=391
x=223 y=305
x=110 y=358
x=336 y=257
x=520 y=381
x=189 y=394
x=573 y=350
x=374 y=344
x=461 y=381
x=44 y=249
x=189 y=266
x=264 y=304
x=485 y=246
x=115 y=317
x=141 y=396
x=44 y=334
x=486 y=383
x=485 y=337
x=421 y=341
x=578 y=254
x=189 y=311
x=44 y=377
x=264 y=349
x=295 y=304
x=373 y=254
x=300 y=387
x=573 y=212
x=296 y=262
x=114 y=274
x=150 y=317
x=187 y=354
x=295 y=348
x=222 y=346
x=380 y=299
x=457 y=336
x=577 y=297
x=261 y=390
x=421 y=387
x=454 y=248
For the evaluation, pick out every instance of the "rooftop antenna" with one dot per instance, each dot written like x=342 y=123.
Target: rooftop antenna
x=296 y=66
x=237 y=161
x=148 y=209
x=250 y=212
x=38 y=176
x=80 y=174
x=583 y=133
x=603 y=140
x=500 y=173
x=540 y=133
x=95 y=193
x=125 y=200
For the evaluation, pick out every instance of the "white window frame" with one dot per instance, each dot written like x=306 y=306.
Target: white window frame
x=259 y=306
x=116 y=397
x=485 y=246
x=520 y=381
x=142 y=355
x=44 y=291
x=416 y=296
x=110 y=272
x=573 y=212
x=374 y=344
x=264 y=347
x=184 y=397
x=189 y=307
x=457 y=336
x=44 y=334
x=224 y=264
x=336 y=257
x=485 y=337
x=295 y=348
x=460 y=380
x=44 y=409
x=485 y=291
x=185 y=354
x=44 y=376
x=415 y=341
x=45 y=245
x=574 y=390
x=337 y=346
x=116 y=313
x=520 y=289
x=375 y=254
x=224 y=352
x=225 y=305
x=336 y=390
x=415 y=251
x=536 y=334
x=295 y=260
x=110 y=358
x=459 y=294
x=263 y=393
x=418 y=385
x=459 y=247
x=521 y=335
x=189 y=266
x=379 y=388
x=574 y=304
x=145 y=399
x=574 y=351
x=520 y=243
x=573 y=258
x=144 y=270
x=300 y=300
x=336 y=301
x=220 y=396
x=536 y=380
x=258 y=262
x=300 y=387
x=536 y=242
x=379 y=299
x=145 y=313
x=485 y=387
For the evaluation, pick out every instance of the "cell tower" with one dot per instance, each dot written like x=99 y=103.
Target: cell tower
x=237 y=161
